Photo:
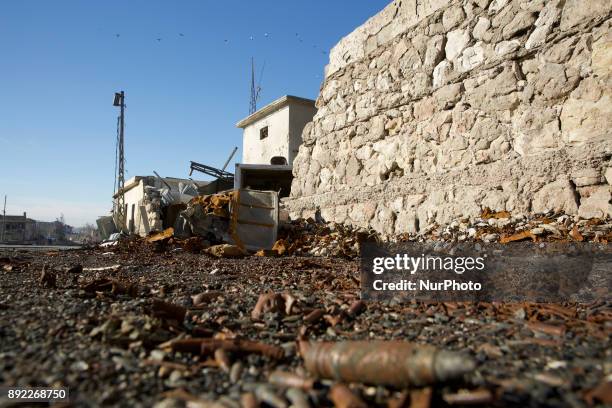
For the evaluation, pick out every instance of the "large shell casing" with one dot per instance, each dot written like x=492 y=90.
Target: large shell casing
x=395 y=363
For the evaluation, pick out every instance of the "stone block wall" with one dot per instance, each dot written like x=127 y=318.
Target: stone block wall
x=435 y=109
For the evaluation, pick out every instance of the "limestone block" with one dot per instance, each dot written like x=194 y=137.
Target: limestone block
x=406 y=222
x=575 y=11
x=481 y=27
x=587 y=114
x=553 y=81
x=495 y=200
x=384 y=221
x=400 y=49
x=471 y=57
x=452 y=17
x=448 y=96
x=598 y=204
x=456 y=41
x=548 y=16
x=435 y=51
x=521 y=22
x=558 y=196
x=363 y=212
x=601 y=58
x=506 y=47
x=587 y=177
x=325 y=176
x=608 y=175
x=322 y=155
x=536 y=130
x=497 y=5
x=442 y=73
x=424 y=109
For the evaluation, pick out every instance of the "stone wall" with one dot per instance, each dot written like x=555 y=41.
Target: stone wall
x=435 y=109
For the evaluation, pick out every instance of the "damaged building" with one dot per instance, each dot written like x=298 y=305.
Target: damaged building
x=271 y=140
x=152 y=203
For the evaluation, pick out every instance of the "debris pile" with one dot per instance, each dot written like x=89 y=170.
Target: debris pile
x=208 y=217
x=171 y=327
x=503 y=227
x=308 y=237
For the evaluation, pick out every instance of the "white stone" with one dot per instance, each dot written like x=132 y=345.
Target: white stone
x=558 y=196
x=506 y=47
x=586 y=177
x=441 y=73
x=497 y=5
x=598 y=204
x=472 y=57
x=456 y=41
x=608 y=175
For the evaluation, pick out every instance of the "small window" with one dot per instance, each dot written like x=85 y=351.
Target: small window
x=263 y=133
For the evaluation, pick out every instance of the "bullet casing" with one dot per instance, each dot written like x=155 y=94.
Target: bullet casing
x=395 y=363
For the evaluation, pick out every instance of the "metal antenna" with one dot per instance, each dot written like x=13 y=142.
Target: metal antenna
x=119 y=210
x=255 y=89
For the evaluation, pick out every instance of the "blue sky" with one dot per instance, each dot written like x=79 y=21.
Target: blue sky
x=62 y=60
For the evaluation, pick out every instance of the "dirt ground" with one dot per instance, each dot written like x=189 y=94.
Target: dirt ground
x=101 y=334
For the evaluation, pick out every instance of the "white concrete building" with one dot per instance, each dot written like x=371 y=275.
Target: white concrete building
x=144 y=203
x=276 y=130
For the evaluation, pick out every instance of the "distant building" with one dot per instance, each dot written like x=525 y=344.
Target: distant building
x=275 y=131
x=17 y=229
x=152 y=204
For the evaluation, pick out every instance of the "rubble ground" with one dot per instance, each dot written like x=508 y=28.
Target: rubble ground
x=105 y=324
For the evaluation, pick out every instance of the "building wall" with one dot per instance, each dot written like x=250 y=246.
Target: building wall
x=256 y=151
x=435 y=109
x=134 y=199
x=299 y=116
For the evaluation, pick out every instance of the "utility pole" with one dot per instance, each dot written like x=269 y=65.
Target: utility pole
x=3 y=219
x=119 y=210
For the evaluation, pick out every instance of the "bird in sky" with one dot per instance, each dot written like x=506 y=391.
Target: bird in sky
x=159 y=40
x=181 y=34
x=117 y=35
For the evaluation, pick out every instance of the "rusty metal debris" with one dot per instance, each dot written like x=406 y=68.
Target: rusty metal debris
x=48 y=278
x=205 y=297
x=396 y=363
x=226 y=251
x=169 y=311
x=290 y=380
x=160 y=236
x=519 y=236
x=206 y=346
x=222 y=359
x=475 y=397
x=273 y=303
x=343 y=397
x=602 y=393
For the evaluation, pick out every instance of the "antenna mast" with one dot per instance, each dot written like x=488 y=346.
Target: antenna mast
x=119 y=210
x=255 y=89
